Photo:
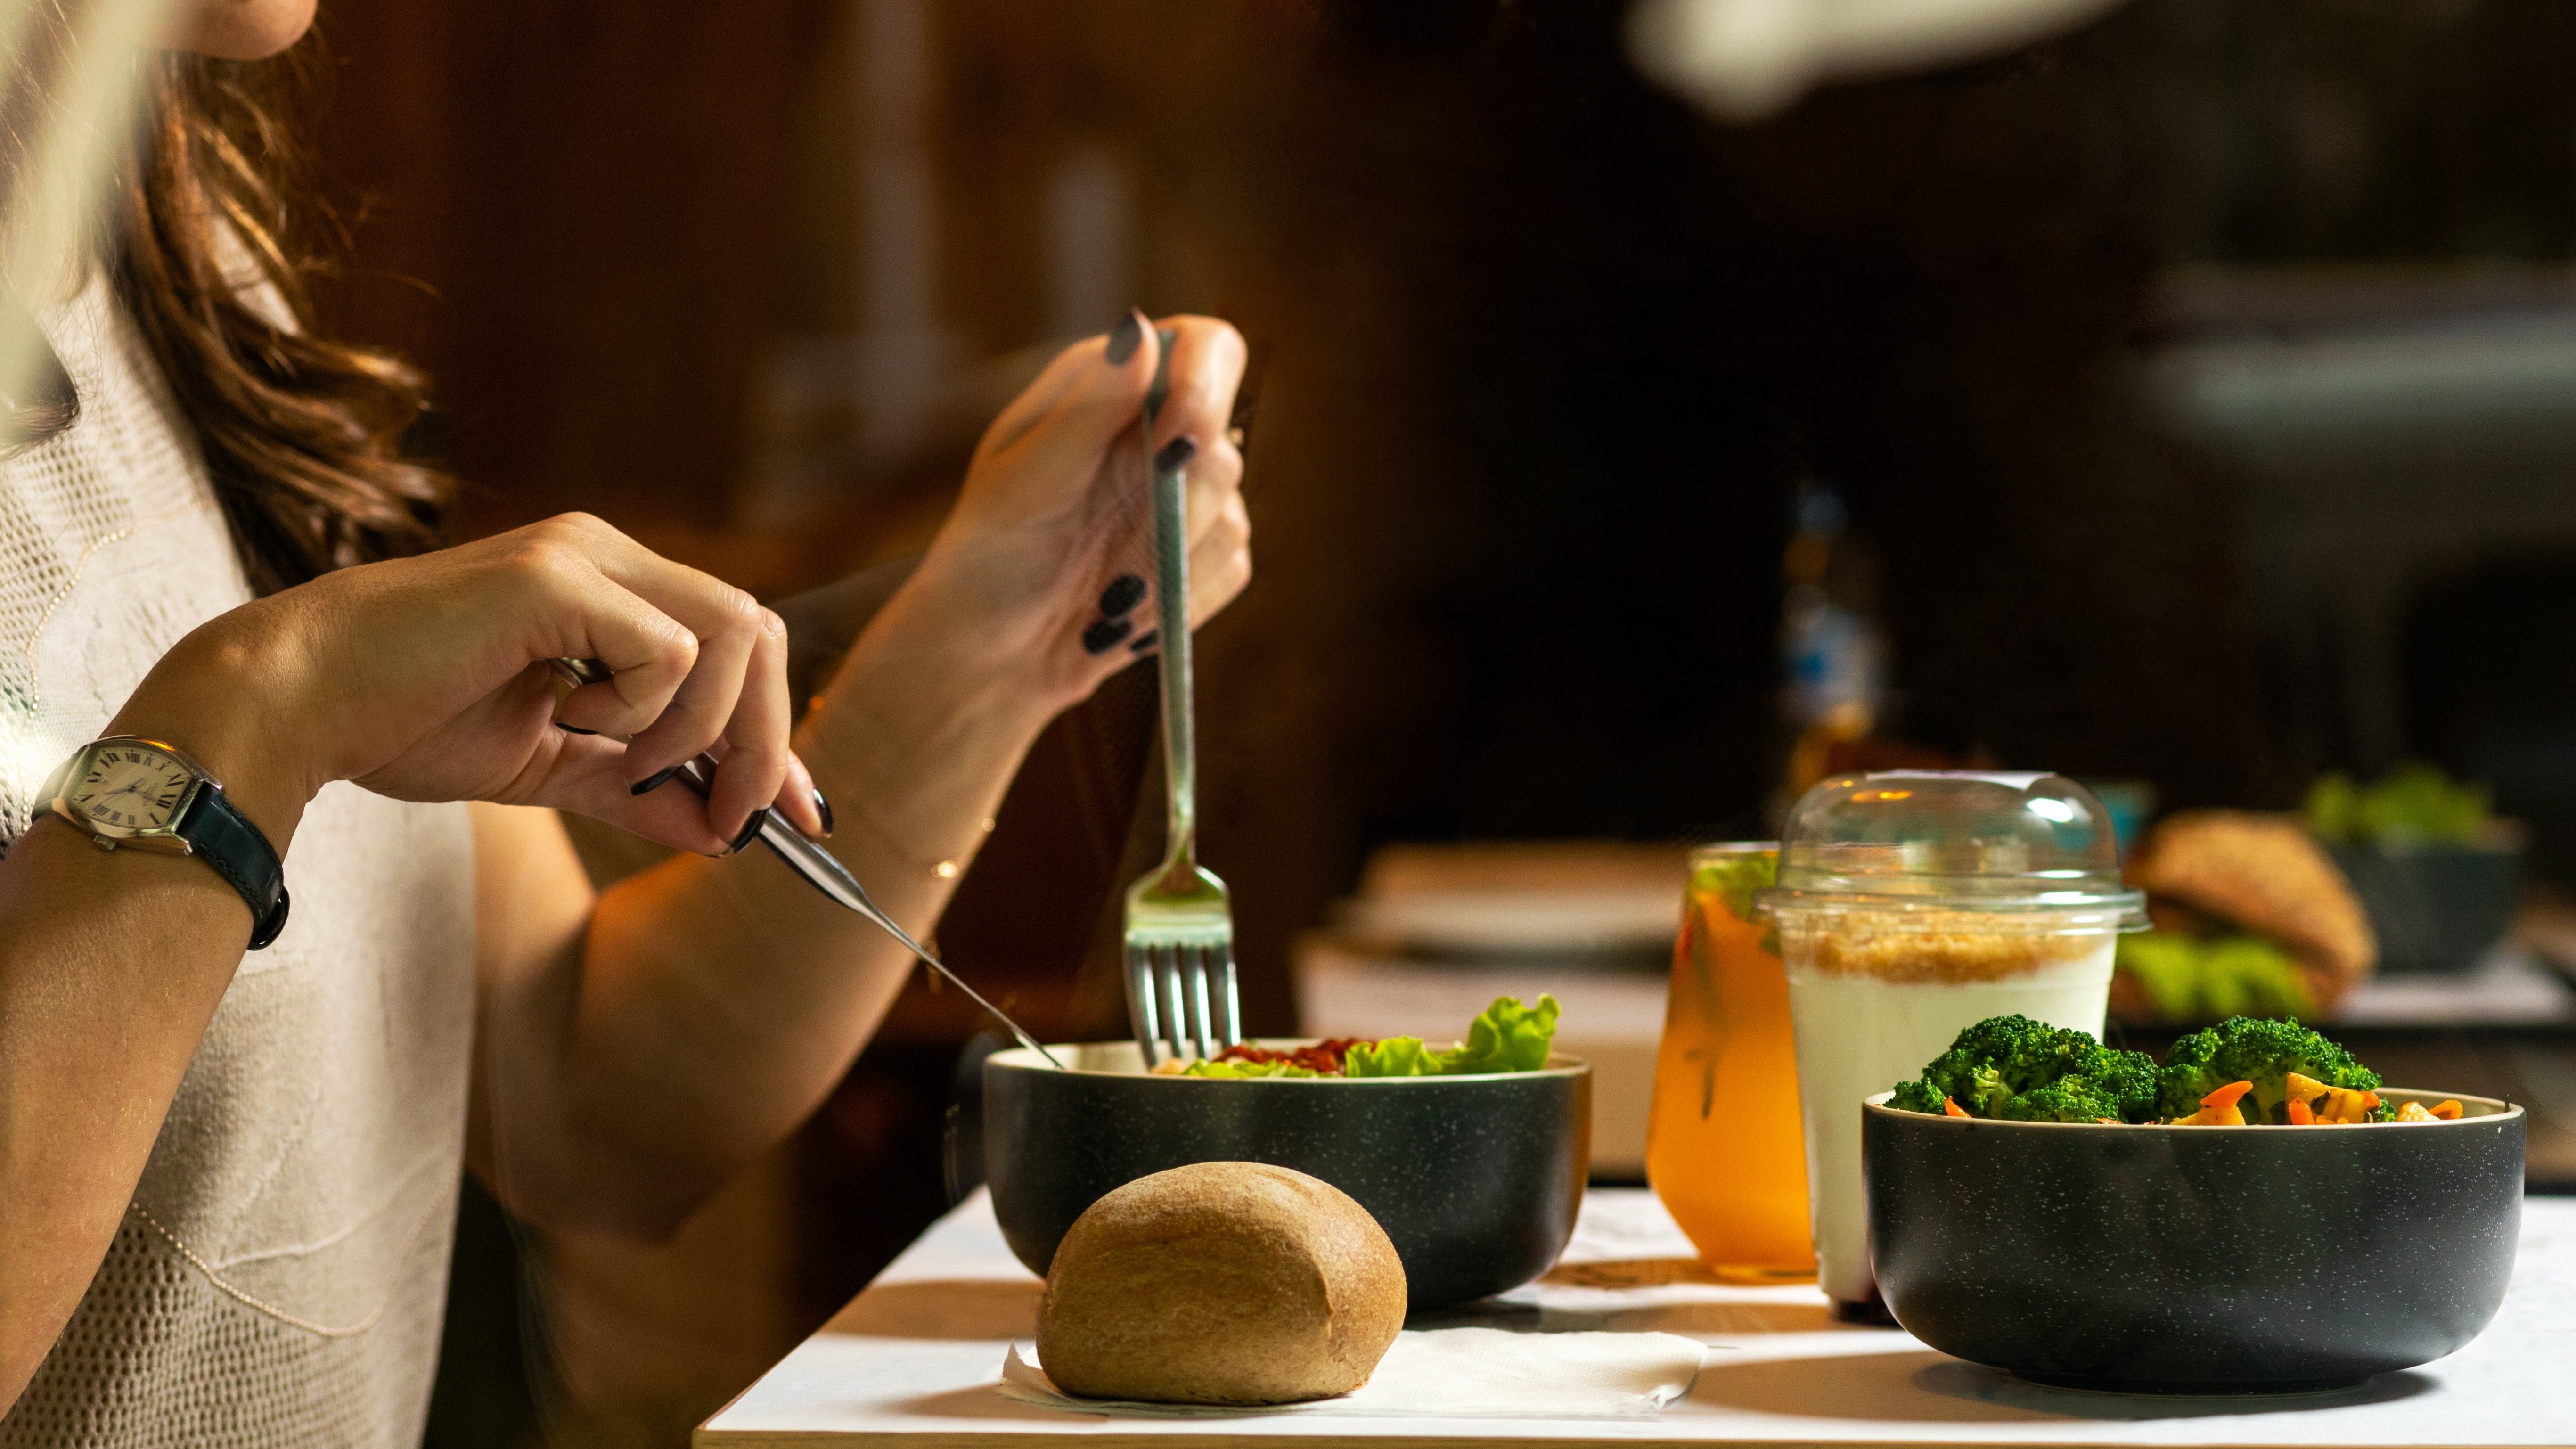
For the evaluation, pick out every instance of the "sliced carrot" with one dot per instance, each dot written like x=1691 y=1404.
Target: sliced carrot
x=2226 y=1096
x=2370 y=1101
x=1950 y=1108
x=2448 y=1111
x=2300 y=1116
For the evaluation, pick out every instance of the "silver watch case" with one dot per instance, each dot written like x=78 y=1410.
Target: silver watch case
x=159 y=839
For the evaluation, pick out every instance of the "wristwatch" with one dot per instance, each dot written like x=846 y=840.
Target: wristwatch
x=127 y=790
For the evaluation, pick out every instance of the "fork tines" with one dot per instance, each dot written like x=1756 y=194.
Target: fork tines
x=1187 y=987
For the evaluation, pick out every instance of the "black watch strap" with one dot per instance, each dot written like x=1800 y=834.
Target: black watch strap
x=226 y=840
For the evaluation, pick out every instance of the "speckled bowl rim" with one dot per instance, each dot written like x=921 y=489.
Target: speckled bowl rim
x=1877 y=1104
x=1021 y=1059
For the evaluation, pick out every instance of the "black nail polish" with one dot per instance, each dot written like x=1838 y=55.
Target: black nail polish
x=823 y=808
x=1124 y=593
x=1124 y=339
x=1175 y=455
x=1103 y=635
x=1145 y=641
x=750 y=830
x=654 y=781
x=573 y=729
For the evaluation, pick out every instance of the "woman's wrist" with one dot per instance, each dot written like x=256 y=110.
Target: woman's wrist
x=919 y=732
x=996 y=637
x=932 y=665
x=217 y=698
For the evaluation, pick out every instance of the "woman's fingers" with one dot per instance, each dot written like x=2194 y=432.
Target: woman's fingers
x=1220 y=534
x=736 y=691
x=1220 y=528
x=1220 y=558
x=802 y=803
x=1207 y=363
x=587 y=776
x=1212 y=478
x=1101 y=398
x=584 y=614
x=454 y=697
x=758 y=766
x=1207 y=366
x=1060 y=377
x=729 y=655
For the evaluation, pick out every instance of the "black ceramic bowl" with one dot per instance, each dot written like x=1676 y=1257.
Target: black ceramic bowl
x=2194 y=1259
x=2435 y=907
x=1475 y=1178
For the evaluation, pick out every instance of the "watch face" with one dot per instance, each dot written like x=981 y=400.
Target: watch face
x=129 y=788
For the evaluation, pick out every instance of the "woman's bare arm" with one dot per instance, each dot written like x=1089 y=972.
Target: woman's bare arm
x=635 y=1055
x=110 y=967
x=426 y=678
x=634 y=1060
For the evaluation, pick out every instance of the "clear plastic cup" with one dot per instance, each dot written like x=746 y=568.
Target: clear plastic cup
x=1724 y=1143
x=1912 y=904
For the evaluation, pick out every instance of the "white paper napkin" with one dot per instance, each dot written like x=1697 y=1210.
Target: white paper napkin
x=1454 y=1373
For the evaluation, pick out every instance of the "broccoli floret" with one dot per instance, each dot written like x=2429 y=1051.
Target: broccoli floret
x=1998 y=1057
x=2070 y=1099
x=2126 y=1081
x=2001 y=1067
x=2264 y=1052
x=1916 y=1097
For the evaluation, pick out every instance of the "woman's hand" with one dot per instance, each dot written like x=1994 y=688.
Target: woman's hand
x=426 y=679
x=1048 y=555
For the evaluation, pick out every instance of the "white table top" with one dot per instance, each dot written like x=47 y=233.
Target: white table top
x=914 y=1360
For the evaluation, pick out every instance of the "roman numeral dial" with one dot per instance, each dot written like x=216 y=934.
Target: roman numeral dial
x=130 y=788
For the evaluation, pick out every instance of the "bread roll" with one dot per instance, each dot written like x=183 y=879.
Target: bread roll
x=1220 y=1283
x=2265 y=874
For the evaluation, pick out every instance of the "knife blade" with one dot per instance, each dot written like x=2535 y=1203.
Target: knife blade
x=818 y=867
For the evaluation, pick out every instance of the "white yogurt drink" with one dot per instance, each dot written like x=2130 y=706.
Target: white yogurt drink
x=1860 y=1032
x=1913 y=904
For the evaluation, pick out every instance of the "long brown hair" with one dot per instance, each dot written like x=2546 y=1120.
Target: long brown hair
x=304 y=437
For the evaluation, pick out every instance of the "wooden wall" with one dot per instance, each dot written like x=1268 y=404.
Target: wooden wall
x=1548 y=352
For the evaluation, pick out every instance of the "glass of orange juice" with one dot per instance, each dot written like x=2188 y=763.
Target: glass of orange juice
x=1724 y=1147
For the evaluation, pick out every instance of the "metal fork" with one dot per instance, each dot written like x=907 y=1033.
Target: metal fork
x=1180 y=922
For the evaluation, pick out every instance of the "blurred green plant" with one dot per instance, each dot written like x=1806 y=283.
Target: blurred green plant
x=1734 y=878
x=2188 y=979
x=2415 y=804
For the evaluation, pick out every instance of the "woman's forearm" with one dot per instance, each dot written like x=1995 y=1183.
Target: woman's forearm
x=640 y=1051
x=111 y=965
x=710 y=1005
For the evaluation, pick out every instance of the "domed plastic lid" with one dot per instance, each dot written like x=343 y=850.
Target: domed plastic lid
x=1946 y=841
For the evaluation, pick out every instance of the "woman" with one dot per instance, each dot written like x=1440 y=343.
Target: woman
x=227 y=1177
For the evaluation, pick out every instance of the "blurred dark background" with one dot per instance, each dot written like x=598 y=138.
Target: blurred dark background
x=2198 y=392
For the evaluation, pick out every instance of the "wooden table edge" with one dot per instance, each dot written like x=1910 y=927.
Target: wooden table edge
x=1258 y=1440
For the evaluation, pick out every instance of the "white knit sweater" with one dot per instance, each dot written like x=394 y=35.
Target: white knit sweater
x=279 y=1278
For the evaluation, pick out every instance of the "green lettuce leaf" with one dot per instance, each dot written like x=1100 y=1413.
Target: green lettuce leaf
x=1397 y=1056
x=1506 y=1037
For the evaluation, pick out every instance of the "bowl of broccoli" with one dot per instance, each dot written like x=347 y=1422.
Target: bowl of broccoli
x=2063 y=1210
